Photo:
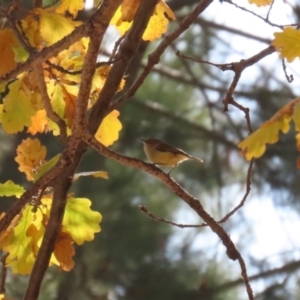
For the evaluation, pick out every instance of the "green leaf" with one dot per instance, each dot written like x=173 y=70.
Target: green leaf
x=80 y=221
x=46 y=167
x=11 y=189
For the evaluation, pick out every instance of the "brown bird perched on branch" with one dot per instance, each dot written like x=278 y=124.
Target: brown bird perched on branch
x=163 y=154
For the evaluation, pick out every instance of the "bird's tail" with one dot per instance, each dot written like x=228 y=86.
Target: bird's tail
x=196 y=159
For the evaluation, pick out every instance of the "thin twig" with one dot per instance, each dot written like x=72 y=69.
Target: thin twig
x=77 y=72
x=258 y=16
x=289 y=78
x=145 y=210
x=247 y=192
x=269 y=10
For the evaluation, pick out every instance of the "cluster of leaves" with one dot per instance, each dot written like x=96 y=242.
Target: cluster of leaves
x=23 y=107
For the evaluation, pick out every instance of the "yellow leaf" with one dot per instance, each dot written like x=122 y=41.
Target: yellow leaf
x=2 y=297
x=70 y=93
x=56 y=94
x=261 y=2
x=72 y=6
x=7 y=42
x=108 y=131
x=5 y=234
x=288 y=43
x=296 y=115
x=19 y=245
x=53 y=27
x=80 y=221
x=39 y=122
x=17 y=108
x=30 y=156
x=255 y=145
x=156 y=26
x=158 y=23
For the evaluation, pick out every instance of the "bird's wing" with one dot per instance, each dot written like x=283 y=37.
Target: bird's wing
x=164 y=147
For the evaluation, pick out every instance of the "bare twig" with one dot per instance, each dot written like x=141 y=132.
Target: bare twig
x=237 y=68
x=289 y=78
x=269 y=11
x=116 y=46
x=77 y=72
x=247 y=192
x=258 y=16
x=145 y=210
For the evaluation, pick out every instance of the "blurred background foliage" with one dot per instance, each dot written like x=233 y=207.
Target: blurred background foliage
x=135 y=257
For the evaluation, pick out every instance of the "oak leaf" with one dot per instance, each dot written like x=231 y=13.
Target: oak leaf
x=17 y=109
x=254 y=145
x=39 y=122
x=30 y=156
x=157 y=25
x=287 y=43
x=19 y=245
x=64 y=251
x=80 y=221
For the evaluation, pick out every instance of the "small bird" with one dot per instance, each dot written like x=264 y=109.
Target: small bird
x=163 y=154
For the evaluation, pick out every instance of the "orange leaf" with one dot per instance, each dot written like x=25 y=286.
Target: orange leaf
x=30 y=156
x=261 y=2
x=39 y=122
x=7 y=42
x=64 y=251
x=129 y=9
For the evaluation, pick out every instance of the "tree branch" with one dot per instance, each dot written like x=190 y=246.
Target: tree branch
x=154 y=57
x=194 y=203
x=126 y=51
